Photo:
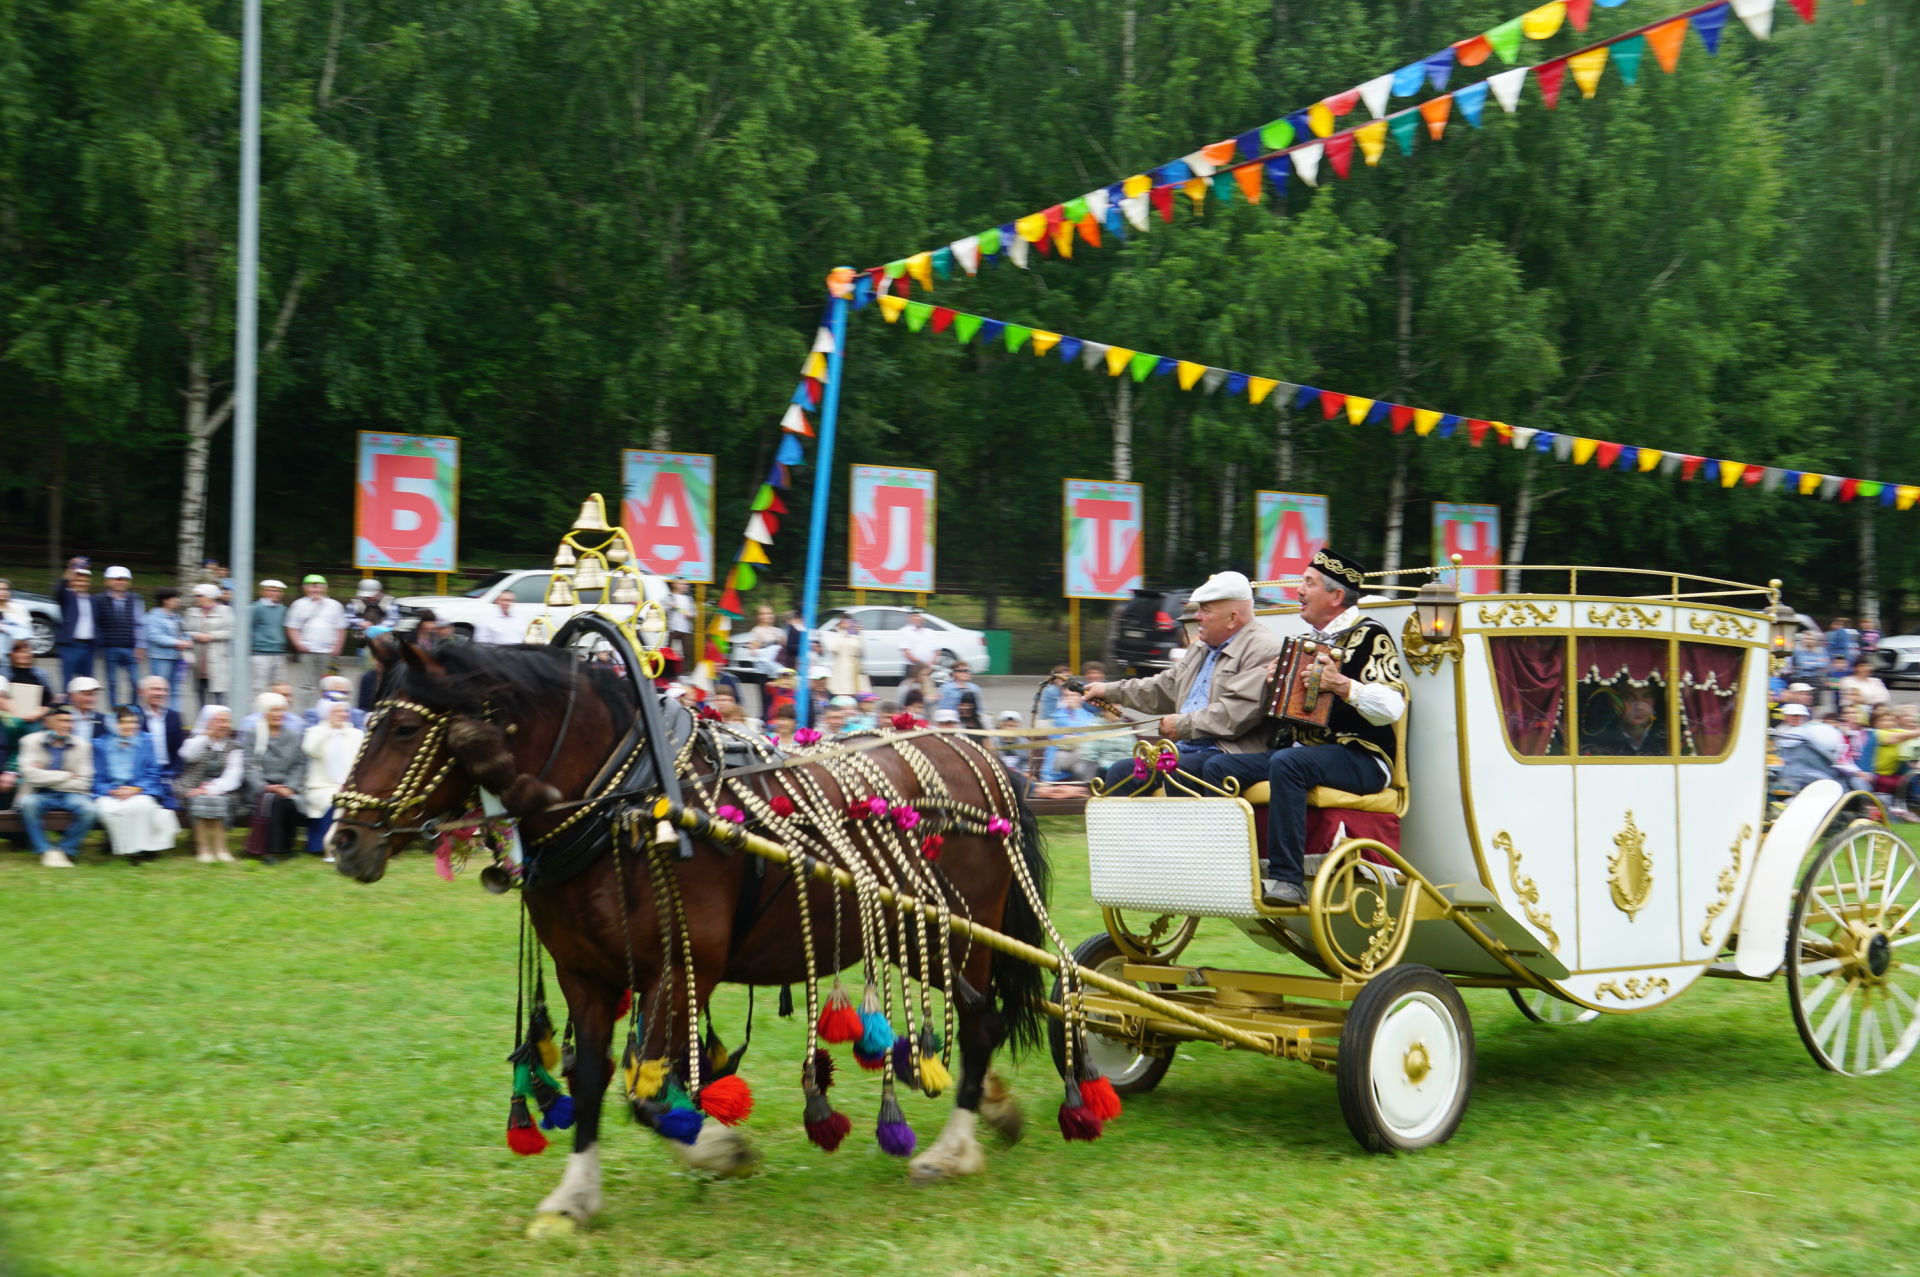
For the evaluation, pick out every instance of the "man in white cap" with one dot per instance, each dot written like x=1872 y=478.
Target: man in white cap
x=123 y=640
x=1214 y=702
x=83 y=694
x=316 y=630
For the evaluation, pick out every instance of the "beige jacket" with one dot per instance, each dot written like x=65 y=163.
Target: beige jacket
x=36 y=767
x=1236 y=713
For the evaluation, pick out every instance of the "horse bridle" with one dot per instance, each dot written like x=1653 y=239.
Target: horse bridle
x=416 y=784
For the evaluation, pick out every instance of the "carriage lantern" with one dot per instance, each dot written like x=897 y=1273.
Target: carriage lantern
x=1437 y=605
x=1786 y=623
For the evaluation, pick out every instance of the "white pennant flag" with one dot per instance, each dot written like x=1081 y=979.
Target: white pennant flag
x=1506 y=87
x=795 y=420
x=1282 y=396
x=1306 y=162
x=1375 y=93
x=1829 y=487
x=1670 y=463
x=1134 y=207
x=757 y=531
x=823 y=342
x=1016 y=250
x=1562 y=447
x=1212 y=379
x=1770 y=481
x=1093 y=354
x=1523 y=437
x=1200 y=164
x=1757 y=14
x=967 y=253
x=1097 y=204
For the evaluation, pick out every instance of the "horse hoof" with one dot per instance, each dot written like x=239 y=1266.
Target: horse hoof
x=721 y=1153
x=937 y=1166
x=1001 y=1111
x=552 y=1224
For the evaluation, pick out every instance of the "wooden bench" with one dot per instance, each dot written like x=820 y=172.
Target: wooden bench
x=12 y=826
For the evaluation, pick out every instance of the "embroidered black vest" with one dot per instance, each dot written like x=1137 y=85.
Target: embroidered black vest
x=1368 y=655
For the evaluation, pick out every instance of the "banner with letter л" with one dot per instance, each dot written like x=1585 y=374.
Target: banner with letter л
x=667 y=509
x=1104 y=521
x=1473 y=533
x=890 y=534
x=406 y=504
x=1288 y=528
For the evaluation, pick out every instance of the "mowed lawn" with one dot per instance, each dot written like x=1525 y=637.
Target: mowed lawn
x=271 y=1070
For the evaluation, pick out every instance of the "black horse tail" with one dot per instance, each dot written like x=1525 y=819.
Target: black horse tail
x=1018 y=985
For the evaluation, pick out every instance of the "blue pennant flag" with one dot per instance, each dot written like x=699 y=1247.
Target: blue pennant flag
x=1277 y=169
x=1543 y=442
x=1791 y=481
x=1068 y=349
x=1439 y=67
x=778 y=477
x=1710 y=24
x=1305 y=397
x=1006 y=236
x=1236 y=383
x=801 y=397
x=1629 y=458
x=1167 y=365
x=1887 y=491
x=1407 y=80
x=862 y=291
x=1301 y=131
x=1378 y=415
x=791 y=452
x=1249 y=144
x=1449 y=424
x=1172 y=171
x=1710 y=471
x=990 y=330
x=1470 y=100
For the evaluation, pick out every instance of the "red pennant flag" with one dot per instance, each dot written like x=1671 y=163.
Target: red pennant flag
x=1054 y=217
x=1804 y=8
x=773 y=524
x=902 y=286
x=1331 y=403
x=942 y=319
x=1688 y=465
x=1340 y=153
x=878 y=275
x=813 y=390
x=1551 y=75
x=1579 y=13
x=1341 y=103
x=1401 y=416
x=1753 y=475
x=730 y=601
x=1607 y=454
x=1045 y=245
x=1848 y=487
x=1477 y=430
x=776 y=506
x=1162 y=197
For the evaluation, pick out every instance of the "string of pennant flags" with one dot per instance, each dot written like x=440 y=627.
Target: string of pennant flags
x=1191 y=375
x=1297 y=145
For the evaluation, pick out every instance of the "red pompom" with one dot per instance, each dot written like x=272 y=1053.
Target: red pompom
x=1077 y=1123
x=523 y=1137
x=930 y=846
x=727 y=1100
x=781 y=804
x=839 y=1022
x=904 y=722
x=829 y=1131
x=1100 y=1099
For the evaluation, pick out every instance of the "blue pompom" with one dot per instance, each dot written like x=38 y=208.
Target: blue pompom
x=680 y=1124
x=876 y=1036
x=559 y=1114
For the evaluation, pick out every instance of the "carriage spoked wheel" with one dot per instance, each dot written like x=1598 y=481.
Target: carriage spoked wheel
x=1853 y=975
x=1406 y=1061
x=1543 y=1008
x=1161 y=940
x=1131 y=1070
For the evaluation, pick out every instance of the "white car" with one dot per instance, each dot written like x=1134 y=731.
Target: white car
x=1899 y=659
x=880 y=629
x=529 y=586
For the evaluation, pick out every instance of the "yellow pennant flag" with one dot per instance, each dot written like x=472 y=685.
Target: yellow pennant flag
x=1425 y=419
x=1730 y=472
x=1320 y=119
x=816 y=367
x=1544 y=21
x=1031 y=227
x=1583 y=450
x=1904 y=496
x=1136 y=186
x=1649 y=458
x=1195 y=189
x=1586 y=68
x=1043 y=342
x=1117 y=359
x=1258 y=388
x=753 y=553
x=1358 y=408
x=1810 y=483
x=1187 y=373
x=1063 y=239
x=1372 y=139
x=891 y=306
x=920 y=266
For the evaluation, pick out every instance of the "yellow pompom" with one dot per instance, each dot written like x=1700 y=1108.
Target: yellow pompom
x=717 y=1056
x=549 y=1054
x=648 y=1080
x=934 y=1077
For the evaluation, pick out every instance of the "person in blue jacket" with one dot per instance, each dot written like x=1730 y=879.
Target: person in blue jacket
x=129 y=786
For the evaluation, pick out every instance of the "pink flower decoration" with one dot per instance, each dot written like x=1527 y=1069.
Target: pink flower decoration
x=727 y=811
x=876 y=806
x=781 y=804
x=905 y=816
x=930 y=846
x=1139 y=769
x=1000 y=825
x=806 y=736
x=1167 y=761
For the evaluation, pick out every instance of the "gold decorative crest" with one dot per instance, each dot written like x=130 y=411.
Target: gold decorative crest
x=1623 y=616
x=1630 y=870
x=1635 y=989
x=1426 y=657
x=1721 y=625
x=1517 y=613
x=1526 y=890
x=1724 y=884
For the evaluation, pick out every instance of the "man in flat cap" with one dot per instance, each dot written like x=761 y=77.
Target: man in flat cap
x=1214 y=701
x=1360 y=665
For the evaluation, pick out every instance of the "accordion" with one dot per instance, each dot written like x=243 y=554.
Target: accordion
x=1296 y=696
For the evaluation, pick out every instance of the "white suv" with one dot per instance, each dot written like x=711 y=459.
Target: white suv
x=529 y=586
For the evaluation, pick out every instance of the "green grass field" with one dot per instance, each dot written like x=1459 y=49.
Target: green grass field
x=233 y=1070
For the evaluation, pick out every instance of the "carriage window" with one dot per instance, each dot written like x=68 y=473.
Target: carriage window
x=1531 y=673
x=1623 y=697
x=1709 y=696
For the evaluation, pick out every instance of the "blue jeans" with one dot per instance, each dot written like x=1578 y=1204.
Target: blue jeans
x=79 y=806
x=169 y=669
x=1119 y=782
x=1290 y=773
x=123 y=661
x=76 y=661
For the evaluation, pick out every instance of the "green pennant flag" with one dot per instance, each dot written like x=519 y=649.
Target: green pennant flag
x=763 y=498
x=989 y=240
x=1505 y=40
x=1142 y=365
x=918 y=313
x=1223 y=188
x=1869 y=488
x=1016 y=337
x=744 y=577
x=1404 y=129
x=1074 y=210
x=896 y=269
x=966 y=326
x=1626 y=58
x=1277 y=135
x=943 y=263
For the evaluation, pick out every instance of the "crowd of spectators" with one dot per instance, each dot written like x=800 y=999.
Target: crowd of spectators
x=1835 y=721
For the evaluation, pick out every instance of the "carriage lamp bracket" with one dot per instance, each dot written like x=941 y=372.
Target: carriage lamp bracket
x=1436 y=605
x=1785 y=623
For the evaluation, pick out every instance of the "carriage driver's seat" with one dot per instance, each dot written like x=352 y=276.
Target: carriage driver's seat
x=1391 y=801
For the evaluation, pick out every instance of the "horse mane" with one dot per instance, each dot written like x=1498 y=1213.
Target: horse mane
x=517 y=681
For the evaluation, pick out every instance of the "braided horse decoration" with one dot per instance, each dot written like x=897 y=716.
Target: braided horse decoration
x=555 y=764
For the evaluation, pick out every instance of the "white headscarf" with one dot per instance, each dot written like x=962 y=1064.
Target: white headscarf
x=206 y=716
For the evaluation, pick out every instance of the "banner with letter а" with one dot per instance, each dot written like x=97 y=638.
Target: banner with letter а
x=406 y=506
x=1288 y=527
x=1104 y=522
x=1473 y=533
x=667 y=509
x=890 y=534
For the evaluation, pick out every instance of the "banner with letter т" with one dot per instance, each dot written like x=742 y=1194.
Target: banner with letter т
x=1103 y=526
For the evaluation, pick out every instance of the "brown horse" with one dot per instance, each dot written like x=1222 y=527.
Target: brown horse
x=535 y=725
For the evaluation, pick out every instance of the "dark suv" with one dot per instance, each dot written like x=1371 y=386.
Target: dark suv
x=1145 y=632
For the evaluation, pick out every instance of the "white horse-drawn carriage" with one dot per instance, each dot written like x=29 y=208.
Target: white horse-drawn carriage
x=1581 y=811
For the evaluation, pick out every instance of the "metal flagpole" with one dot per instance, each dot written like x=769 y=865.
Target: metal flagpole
x=817 y=516
x=245 y=341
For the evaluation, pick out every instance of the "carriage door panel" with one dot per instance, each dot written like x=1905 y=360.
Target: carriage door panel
x=1626 y=808
x=1722 y=690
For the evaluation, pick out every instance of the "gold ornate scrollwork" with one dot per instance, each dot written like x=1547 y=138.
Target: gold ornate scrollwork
x=1426 y=657
x=1630 y=870
x=1165 y=936
x=1724 y=885
x=1526 y=891
x=1348 y=894
x=1164 y=782
x=1517 y=613
x=1722 y=625
x=1624 y=616
x=1635 y=989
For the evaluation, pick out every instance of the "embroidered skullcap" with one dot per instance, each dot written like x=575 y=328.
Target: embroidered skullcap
x=1348 y=571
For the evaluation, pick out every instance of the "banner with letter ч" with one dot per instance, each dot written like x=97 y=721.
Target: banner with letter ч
x=1473 y=533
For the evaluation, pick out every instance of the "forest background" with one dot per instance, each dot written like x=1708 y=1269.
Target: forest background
x=560 y=228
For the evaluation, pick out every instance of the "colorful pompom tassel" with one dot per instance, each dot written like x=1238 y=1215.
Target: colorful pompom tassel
x=825 y=1127
x=876 y=1035
x=871 y=1063
x=892 y=1132
x=727 y=1100
x=1077 y=1122
x=1097 y=1093
x=933 y=1075
x=558 y=1116
x=822 y=1069
x=904 y=1062
x=839 y=1022
x=681 y=1121
x=717 y=1057
x=523 y=1137
x=540 y=1033
x=643 y=1078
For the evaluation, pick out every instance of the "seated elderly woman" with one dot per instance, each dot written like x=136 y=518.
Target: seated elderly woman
x=129 y=790
x=276 y=772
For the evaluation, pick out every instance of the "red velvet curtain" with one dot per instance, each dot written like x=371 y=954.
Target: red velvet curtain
x=1709 y=687
x=1532 y=675
x=1606 y=660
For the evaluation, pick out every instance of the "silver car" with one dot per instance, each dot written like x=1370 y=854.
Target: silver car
x=46 y=619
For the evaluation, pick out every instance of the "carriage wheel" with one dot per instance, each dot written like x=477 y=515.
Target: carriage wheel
x=1543 y=1008
x=1131 y=1070
x=1406 y=1061
x=1162 y=941
x=1853 y=977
